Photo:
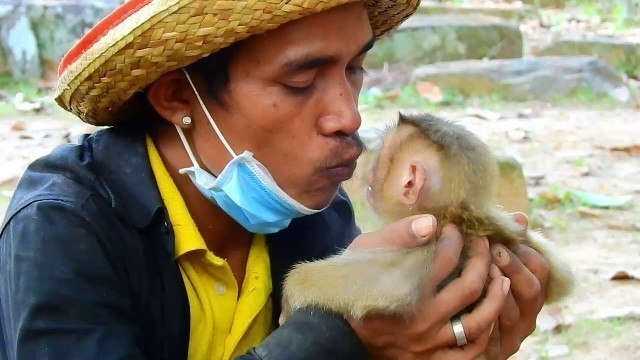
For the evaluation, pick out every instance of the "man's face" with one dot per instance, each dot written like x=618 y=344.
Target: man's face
x=292 y=101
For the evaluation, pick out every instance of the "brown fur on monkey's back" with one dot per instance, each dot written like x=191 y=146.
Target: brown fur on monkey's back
x=489 y=222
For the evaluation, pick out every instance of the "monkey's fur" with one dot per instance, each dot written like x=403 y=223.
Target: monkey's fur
x=461 y=187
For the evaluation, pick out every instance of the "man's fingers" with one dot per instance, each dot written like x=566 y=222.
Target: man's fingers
x=510 y=312
x=406 y=233
x=521 y=218
x=494 y=347
x=535 y=262
x=483 y=316
x=466 y=289
x=447 y=255
x=524 y=284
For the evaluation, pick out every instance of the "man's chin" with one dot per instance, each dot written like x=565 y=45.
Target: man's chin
x=321 y=200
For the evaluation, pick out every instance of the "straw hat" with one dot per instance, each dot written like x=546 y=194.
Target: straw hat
x=142 y=39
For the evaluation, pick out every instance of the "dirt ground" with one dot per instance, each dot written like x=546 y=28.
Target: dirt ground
x=561 y=149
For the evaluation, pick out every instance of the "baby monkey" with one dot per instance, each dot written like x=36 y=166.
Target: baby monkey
x=426 y=165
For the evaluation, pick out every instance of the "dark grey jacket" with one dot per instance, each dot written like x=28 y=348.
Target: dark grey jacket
x=86 y=266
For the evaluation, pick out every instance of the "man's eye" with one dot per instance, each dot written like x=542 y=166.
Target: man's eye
x=298 y=90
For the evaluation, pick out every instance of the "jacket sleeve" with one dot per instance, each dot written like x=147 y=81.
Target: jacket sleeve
x=310 y=334
x=60 y=295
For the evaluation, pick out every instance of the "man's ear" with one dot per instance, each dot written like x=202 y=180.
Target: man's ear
x=168 y=96
x=413 y=180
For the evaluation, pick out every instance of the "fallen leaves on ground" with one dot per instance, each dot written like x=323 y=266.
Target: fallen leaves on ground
x=429 y=91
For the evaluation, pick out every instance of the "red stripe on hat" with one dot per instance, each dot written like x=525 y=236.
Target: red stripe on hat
x=99 y=30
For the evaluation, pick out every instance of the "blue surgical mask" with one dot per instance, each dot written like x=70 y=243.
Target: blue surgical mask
x=245 y=189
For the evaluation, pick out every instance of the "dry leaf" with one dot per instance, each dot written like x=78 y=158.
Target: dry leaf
x=550 y=198
x=631 y=149
x=483 y=114
x=623 y=225
x=392 y=95
x=624 y=275
x=429 y=91
x=18 y=126
x=584 y=211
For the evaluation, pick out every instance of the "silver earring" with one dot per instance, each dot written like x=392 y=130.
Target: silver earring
x=186 y=120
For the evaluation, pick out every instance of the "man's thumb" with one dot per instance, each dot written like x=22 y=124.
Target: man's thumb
x=406 y=233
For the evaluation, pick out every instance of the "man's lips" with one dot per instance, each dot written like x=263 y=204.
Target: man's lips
x=343 y=170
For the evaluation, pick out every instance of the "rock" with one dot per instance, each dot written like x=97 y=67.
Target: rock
x=621 y=55
x=531 y=78
x=57 y=25
x=425 y=39
x=513 y=12
x=20 y=46
x=512 y=185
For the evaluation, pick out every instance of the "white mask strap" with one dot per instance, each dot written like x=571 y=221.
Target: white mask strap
x=187 y=147
x=206 y=112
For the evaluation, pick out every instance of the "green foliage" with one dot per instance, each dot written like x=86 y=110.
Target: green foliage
x=629 y=65
x=408 y=96
x=12 y=87
x=555 y=197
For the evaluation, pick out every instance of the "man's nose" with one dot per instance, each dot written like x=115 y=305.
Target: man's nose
x=341 y=112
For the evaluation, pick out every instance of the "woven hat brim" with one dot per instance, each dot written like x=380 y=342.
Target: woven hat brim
x=164 y=35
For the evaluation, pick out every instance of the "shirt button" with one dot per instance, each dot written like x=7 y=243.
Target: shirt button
x=165 y=228
x=221 y=289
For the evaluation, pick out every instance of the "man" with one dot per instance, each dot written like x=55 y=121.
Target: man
x=167 y=235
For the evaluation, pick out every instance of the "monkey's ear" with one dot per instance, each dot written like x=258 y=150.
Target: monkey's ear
x=413 y=180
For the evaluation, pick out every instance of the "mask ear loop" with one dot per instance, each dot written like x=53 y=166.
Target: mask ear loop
x=187 y=147
x=206 y=112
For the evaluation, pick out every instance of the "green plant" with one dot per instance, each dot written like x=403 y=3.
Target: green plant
x=12 y=87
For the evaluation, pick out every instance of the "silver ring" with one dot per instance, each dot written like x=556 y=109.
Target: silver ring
x=458 y=331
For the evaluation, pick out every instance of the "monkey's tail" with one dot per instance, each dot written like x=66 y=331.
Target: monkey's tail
x=358 y=282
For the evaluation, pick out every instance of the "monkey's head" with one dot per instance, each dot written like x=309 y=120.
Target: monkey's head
x=427 y=164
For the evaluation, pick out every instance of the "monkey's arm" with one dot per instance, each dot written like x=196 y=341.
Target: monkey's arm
x=358 y=282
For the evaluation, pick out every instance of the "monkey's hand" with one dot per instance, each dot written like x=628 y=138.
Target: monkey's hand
x=426 y=332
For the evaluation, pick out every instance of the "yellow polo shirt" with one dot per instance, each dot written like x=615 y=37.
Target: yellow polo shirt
x=224 y=324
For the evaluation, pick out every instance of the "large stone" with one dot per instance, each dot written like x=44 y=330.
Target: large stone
x=426 y=39
x=19 y=45
x=513 y=12
x=57 y=26
x=623 y=56
x=533 y=78
x=512 y=186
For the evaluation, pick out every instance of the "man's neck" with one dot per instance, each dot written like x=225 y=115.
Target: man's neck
x=222 y=235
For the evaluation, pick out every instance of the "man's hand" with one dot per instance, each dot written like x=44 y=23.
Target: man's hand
x=427 y=333
x=529 y=273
